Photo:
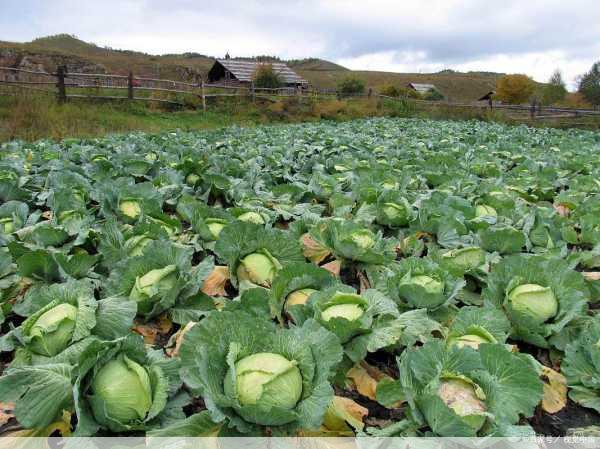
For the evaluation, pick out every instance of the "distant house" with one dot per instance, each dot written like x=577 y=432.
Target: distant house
x=239 y=72
x=422 y=88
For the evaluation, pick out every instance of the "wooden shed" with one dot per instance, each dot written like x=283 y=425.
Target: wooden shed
x=236 y=71
x=488 y=96
x=422 y=88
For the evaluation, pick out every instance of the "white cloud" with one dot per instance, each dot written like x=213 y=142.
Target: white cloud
x=537 y=65
x=534 y=37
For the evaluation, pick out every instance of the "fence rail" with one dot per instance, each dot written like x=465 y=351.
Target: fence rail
x=61 y=84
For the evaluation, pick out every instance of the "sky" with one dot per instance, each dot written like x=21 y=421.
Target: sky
x=534 y=37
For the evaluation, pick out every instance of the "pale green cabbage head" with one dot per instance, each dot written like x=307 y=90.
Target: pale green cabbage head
x=258 y=268
x=484 y=210
x=53 y=330
x=252 y=217
x=7 y=225
x=154 y=283
x=130 y=208
x=430 y=284
x=121 y=391
x=344 y=305
x=266 y=379
x=534 y=300
x=394 y=211
x=136 y=244
x=299 y=297
x=192 y=179
x=470 y=340
x=215 y=227
x=363 y=239
x=351 y=312
x=466 y=399
x=465 y=258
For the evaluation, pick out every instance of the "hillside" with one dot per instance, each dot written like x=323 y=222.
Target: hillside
x=48 y=52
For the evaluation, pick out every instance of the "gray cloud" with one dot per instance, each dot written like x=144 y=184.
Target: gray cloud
x=430 y=33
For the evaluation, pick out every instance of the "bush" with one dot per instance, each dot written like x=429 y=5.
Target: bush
x=589 y=85
x=390 y=90
x=433 y=95
x=575 y=100
x=351 y=86
x=266 y=78
x=515 y=89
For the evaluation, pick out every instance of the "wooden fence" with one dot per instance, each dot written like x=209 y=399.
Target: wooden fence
x=65 y=86
x=100 y=86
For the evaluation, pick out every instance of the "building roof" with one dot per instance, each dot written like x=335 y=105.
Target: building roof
x=487 y=96
x=244 y=70
x=422 y=88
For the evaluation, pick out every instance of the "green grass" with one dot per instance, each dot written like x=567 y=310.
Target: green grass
x=33 y=117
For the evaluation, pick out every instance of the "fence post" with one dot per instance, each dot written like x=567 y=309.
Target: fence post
x=253 y=93
x=60 y=84
x=130 y=86
x=203 y=95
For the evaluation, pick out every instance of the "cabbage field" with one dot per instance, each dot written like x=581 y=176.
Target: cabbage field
x=384 y=277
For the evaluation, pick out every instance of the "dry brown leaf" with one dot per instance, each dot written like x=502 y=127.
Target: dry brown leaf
x=214 y=284
x=592 y=275
x=150 y=331
x=333 y=267
x=313 y=250
x=350 y=411
x=555 y=390
x=365 y=384
x=364 y=282
x=365 y=378
x=562 y=210
x=173 y=347
x=6 y=412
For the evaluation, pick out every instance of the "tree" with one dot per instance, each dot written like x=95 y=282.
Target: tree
x=589 y=85
x=266 y=77
x=351 y=86
x=555 y=90
x=515 y=89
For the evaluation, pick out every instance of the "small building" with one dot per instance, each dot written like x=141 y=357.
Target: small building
x=422 y=88
x=240 y=72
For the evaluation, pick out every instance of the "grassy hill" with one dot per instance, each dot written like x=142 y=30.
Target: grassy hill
x=52 y=50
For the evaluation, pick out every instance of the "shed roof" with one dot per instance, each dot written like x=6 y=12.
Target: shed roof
x=487 y=96
x=244 y=70
x=422 y=88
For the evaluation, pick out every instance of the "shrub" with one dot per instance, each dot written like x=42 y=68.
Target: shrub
x=351 y=86
x=389 y=90
x=515 y=89
x=433 y=95
x=266 y=77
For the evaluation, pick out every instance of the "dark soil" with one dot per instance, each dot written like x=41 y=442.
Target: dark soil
x=572 y=416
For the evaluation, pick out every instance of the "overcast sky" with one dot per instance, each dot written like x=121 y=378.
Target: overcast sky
x=514 y=36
